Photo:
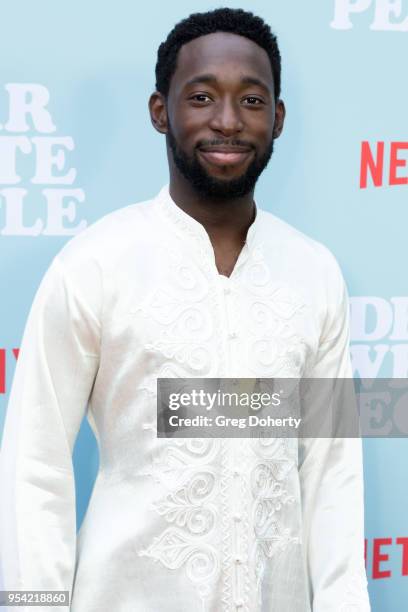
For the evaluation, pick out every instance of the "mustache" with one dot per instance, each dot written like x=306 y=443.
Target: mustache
x=218 y=142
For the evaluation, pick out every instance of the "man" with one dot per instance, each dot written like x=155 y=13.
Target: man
x=198 y=282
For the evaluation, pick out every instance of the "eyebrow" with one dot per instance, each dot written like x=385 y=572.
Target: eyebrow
x=245 y=80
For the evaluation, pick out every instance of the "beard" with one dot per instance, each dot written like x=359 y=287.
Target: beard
x=212 y=187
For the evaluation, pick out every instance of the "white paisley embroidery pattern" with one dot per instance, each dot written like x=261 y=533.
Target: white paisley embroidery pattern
x=189 y=509
x=271 y=501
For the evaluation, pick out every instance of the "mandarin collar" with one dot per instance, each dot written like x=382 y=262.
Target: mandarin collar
x=193 y=228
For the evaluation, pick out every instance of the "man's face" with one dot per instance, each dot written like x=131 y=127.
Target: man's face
x=221 y=114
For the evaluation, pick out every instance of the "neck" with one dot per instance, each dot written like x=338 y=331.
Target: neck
x=226 y=219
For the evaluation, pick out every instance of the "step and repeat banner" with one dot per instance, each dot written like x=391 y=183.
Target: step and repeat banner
x=76 y=143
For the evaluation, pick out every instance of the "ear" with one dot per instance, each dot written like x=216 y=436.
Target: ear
x=280 y=113
x=158 y=112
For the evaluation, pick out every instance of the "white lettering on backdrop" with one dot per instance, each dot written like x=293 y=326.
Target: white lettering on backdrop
x=27 y=111
x=379 y=334
x=388 y=15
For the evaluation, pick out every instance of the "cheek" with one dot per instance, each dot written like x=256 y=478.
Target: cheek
x=189 y=125
x=267 y=135
x=259 y=127
x=264 y=127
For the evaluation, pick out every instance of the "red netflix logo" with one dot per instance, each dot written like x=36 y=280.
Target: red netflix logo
x=380 y=556
x=373 y=162
x=3 y=360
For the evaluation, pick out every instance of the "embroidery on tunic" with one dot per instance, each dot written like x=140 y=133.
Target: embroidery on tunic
x=271 y=501
x=189 y=340
x=192 y=513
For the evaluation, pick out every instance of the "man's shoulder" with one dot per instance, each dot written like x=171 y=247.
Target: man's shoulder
x=108 y=237
x=306 y=252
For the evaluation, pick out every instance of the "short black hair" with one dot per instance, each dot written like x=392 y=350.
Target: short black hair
x=235 y=21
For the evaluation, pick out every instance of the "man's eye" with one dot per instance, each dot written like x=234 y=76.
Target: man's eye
x=253 y=101
x=200 y=98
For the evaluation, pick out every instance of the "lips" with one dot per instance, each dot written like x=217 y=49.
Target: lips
x=225 y=156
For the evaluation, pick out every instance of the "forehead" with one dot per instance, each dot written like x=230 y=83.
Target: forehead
x=226 y=55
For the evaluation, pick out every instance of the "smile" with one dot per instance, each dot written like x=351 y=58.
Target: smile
x=225 y=157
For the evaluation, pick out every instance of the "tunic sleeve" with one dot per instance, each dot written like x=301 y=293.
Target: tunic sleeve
x=331 y=479
x=54 y=375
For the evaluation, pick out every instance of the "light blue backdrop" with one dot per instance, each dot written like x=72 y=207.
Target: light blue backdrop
x=341 y=87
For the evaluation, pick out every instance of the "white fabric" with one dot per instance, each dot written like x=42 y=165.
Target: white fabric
x=180 y=525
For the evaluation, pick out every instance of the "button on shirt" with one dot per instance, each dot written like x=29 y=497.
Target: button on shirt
x=180 y=524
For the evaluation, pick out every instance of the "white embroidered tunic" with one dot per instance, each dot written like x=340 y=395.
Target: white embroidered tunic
x=175 y=525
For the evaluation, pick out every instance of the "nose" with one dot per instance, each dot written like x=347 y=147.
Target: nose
x=226 y=118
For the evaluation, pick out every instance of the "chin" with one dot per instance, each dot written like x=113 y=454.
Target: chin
x=222 y=177
x=224 y=180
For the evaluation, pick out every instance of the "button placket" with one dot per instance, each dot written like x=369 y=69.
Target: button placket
x=237 y=560
x=230 y=320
